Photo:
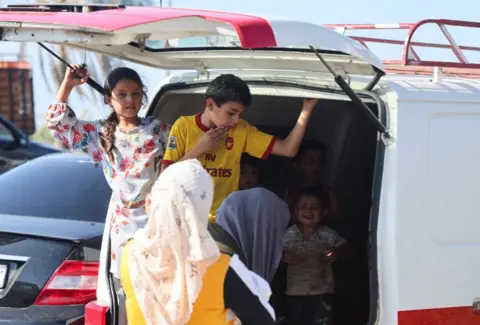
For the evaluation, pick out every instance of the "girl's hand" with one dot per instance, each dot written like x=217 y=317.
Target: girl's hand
x=76 y=76
x=73 y=77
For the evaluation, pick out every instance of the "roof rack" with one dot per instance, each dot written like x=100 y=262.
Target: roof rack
x=61 y=7
x=411 y=63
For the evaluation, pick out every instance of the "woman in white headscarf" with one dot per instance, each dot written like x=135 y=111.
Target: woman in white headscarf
x=172 y=271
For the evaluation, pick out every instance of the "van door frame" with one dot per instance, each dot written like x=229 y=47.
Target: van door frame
x=375 y=210
x=377 y=172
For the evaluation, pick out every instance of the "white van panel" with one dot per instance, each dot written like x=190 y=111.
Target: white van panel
x=436 y=204
x=420 y=90
x=454 y=158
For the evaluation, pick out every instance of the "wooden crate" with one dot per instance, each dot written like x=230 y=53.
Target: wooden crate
x=16 y=94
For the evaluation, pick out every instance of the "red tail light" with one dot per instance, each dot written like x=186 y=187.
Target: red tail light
x=73 y=283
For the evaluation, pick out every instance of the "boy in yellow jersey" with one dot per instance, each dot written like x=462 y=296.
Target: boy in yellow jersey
x=218 y=137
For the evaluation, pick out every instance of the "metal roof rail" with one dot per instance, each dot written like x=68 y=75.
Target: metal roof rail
x=411 y=62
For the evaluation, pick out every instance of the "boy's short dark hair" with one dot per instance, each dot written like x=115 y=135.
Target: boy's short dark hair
x=308 y=145
x=249 y=160
x=314 y=191
x=229 y=88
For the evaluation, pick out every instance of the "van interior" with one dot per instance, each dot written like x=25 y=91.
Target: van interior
x=351 y=140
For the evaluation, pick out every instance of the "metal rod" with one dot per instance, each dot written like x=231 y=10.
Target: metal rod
x=55 y=55
x=92 y=83
x=354 y=97
x=323 y=61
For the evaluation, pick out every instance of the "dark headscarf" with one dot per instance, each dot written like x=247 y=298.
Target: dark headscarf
x=256 y=219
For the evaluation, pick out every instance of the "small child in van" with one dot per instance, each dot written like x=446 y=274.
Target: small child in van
x=310 y=164
x=249 y=172
x=218 y=137
x=309 y=249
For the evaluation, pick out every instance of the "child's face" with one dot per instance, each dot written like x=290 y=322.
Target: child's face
x=126 y=98
x=309 y=210
x=227 y=114
x=248 y=177
x=311 y=164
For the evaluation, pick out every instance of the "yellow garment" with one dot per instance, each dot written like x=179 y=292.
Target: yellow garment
x=134 y=314
x=209 y=308
x=223 y=164
x=174 y=250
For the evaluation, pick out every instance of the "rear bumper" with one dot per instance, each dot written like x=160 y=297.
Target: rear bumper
x=43 y=315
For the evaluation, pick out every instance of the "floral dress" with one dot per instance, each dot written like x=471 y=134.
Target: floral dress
x=138 y=154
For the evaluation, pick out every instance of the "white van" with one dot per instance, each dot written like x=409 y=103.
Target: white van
x=403 y=151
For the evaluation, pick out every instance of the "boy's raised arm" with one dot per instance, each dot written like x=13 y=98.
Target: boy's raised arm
x=289 y=146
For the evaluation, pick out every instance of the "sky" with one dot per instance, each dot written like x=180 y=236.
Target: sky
x=316 y=11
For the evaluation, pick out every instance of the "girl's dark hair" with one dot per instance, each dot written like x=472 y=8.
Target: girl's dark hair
x=107 y=140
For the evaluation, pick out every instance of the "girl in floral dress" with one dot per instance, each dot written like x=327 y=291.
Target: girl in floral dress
x=129 y=148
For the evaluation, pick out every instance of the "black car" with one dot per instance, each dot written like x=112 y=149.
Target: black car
x=52 y=216
x=16 y=148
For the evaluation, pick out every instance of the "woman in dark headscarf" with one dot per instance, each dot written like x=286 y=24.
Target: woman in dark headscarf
x=252 y=224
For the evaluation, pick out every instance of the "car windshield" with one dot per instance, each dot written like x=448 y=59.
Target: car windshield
x=59 y=186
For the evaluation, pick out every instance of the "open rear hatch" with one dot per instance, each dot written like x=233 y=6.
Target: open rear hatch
x=191 y=39
x=185 y=39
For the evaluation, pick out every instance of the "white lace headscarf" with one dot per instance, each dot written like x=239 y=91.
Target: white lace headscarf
x=171 y=254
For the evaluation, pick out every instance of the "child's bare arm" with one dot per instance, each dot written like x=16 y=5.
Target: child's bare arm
x=62 y=121
x=73 y=77
x=289 y=146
